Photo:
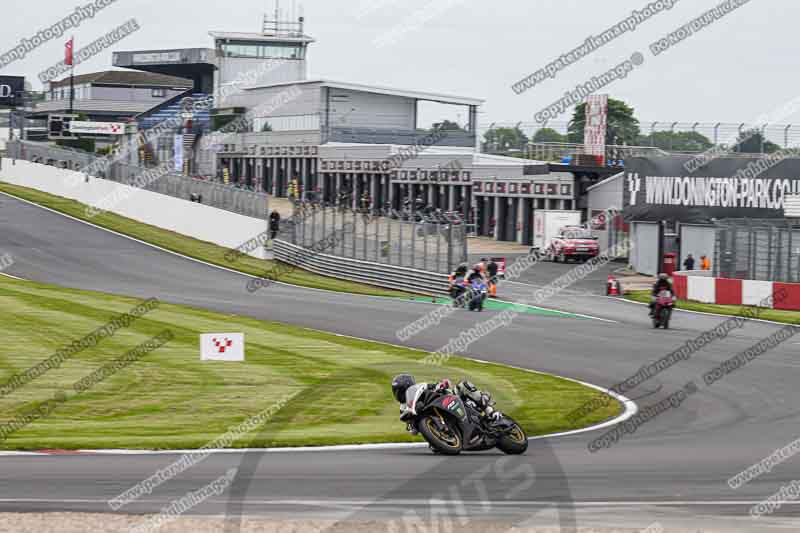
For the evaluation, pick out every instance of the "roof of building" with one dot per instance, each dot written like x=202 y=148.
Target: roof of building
x=376 y=89
x=606 y=181
x=488 y=159
x=260 y=37
x=96 y=107
x=478 y=159
x=127 y=77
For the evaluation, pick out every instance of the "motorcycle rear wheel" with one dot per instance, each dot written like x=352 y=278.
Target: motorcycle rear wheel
x=439 y=440
x=514 y=443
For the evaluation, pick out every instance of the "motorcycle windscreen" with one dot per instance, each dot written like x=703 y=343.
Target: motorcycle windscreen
x=413 y=394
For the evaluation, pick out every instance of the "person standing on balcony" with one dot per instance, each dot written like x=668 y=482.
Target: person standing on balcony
x=688 y=263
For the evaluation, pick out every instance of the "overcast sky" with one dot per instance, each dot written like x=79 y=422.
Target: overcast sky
x=738 y=68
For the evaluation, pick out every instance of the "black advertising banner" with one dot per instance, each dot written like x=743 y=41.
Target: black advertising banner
x=661 y=188
x=10 y=89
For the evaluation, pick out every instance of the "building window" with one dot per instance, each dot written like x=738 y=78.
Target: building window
x=159 y=93
x=276 y=51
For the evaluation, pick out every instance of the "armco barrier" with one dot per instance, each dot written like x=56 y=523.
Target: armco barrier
x=698 y=286
x=392 y=277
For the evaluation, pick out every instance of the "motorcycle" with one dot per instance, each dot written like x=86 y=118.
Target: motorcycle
x=478 y=297
x=662 y=311
x=451 y=426
x=458 y=293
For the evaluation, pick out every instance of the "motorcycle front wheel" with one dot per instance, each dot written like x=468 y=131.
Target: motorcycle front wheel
x=665 y=316
x=446 y=441
x=514 y=442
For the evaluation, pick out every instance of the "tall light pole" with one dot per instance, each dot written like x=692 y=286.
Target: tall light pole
x=27 y=107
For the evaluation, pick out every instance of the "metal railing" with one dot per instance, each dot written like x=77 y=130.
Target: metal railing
x=348 y=134
x=371 y=273
x=665 y=135
x=558 y=151
x=434 y=242
x=157 y=179
x=758 y=249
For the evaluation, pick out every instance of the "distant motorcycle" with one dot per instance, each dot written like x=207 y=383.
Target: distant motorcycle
x=663 y=309
x=458 y=293
x=479 y=295
x=451 y=426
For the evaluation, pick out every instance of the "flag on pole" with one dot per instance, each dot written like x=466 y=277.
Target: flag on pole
x=68 y=56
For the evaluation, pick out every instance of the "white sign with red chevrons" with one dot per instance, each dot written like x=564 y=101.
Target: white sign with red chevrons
x=222 y=347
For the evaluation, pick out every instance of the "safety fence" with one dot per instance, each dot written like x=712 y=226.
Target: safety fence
x=157 y=179
x=428 y=243
x=372 y=273
x=670 y=136
x=758 y=249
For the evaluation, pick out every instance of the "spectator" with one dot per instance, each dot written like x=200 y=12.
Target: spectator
x=274 y=224
x=492 y=269
x=480 y=267
x=705 y=263
x=688 y=264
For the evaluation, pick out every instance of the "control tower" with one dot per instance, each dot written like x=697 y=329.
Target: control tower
x=276 y=55
x=238 y=60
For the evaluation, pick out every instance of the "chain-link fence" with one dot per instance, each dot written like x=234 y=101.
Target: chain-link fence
x=157 y=179
x=57 y=156
x=433 y=243
x=758 y=249
x=669 y=136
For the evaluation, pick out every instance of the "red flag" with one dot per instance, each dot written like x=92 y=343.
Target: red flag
x=68 y=56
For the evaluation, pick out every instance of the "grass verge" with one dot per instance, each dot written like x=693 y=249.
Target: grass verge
x=169 y=399
x=775 y=315
x=205 y=251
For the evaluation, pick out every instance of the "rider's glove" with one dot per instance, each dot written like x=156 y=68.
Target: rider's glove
x=497 y=415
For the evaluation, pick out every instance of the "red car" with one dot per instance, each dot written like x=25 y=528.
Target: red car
x=573 y=243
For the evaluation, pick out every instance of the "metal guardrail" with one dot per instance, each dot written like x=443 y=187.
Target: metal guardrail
x=380 y=275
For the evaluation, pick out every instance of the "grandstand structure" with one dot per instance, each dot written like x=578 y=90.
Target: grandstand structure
x=270 y=128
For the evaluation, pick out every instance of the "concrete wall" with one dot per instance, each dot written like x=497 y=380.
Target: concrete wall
x=261 y=71
x=301 y=102
x=355 y=109
x=187 y=218
x=604 y=196
x=644 y=251
x=700 y=286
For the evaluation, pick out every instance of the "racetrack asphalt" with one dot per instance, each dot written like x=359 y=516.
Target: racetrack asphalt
x=673 y=469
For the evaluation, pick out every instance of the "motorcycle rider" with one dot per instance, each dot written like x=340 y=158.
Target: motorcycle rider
x=662 y=284
x=404 y=387
x=477 y=288
x=457 y=283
